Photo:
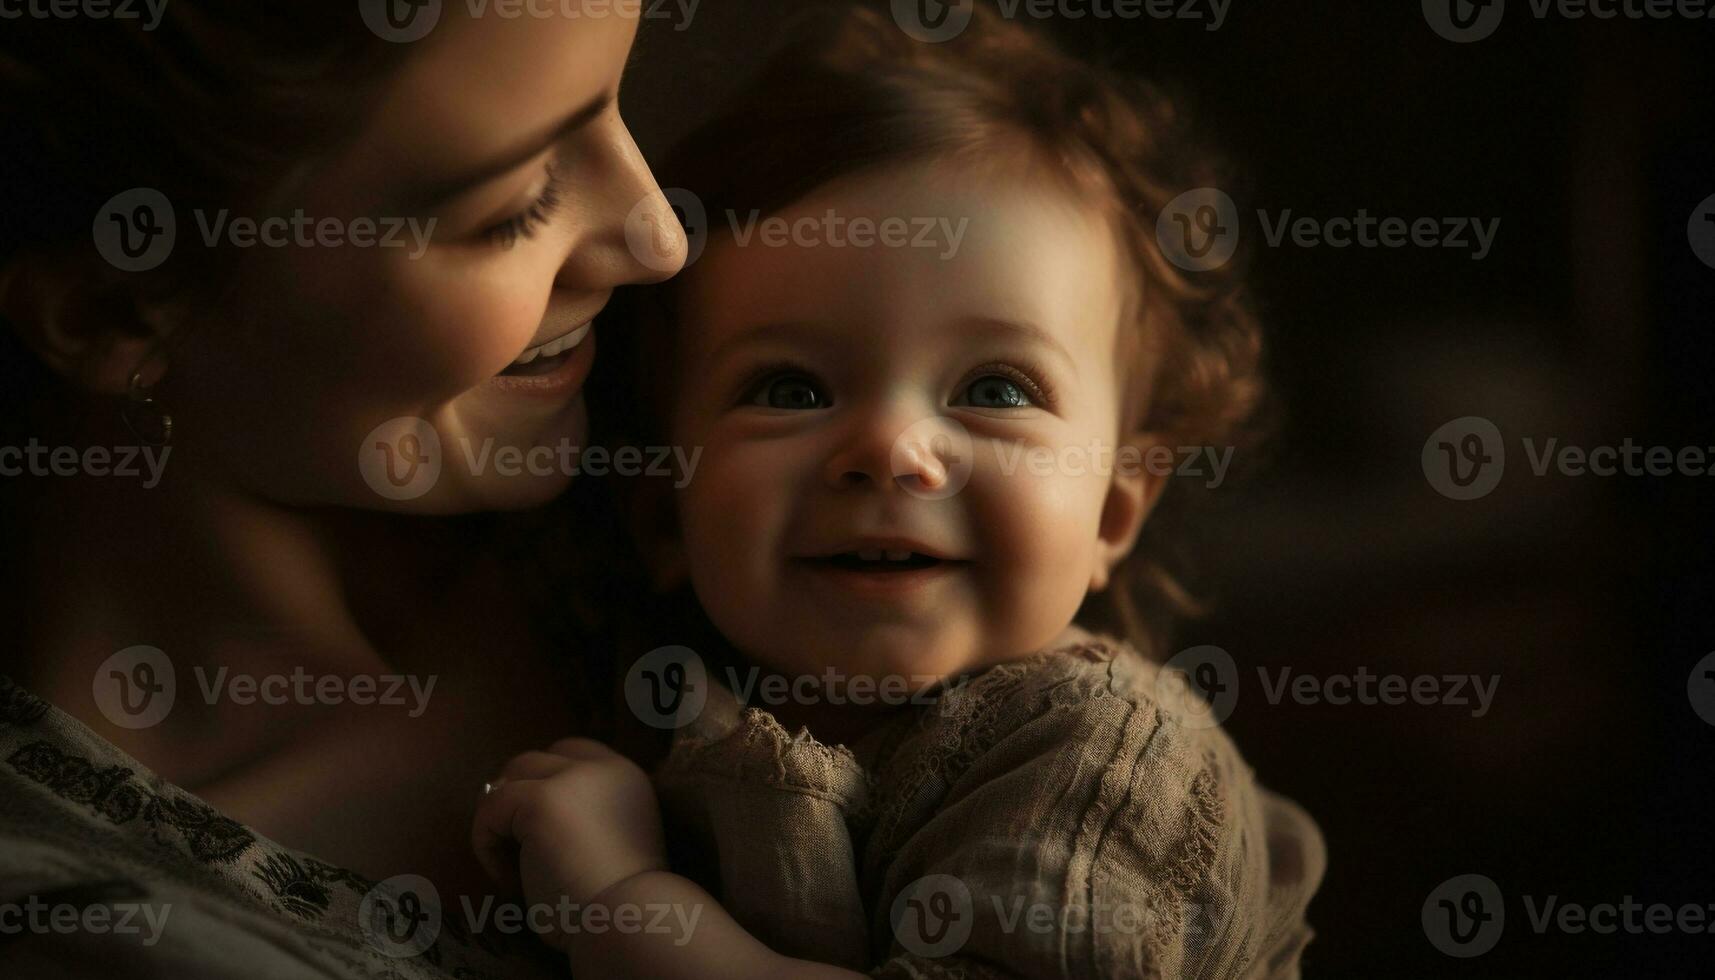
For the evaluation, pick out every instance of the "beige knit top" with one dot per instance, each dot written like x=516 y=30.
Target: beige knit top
x=1052 y=817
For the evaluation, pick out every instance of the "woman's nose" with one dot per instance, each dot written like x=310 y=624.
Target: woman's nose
x=631 y=234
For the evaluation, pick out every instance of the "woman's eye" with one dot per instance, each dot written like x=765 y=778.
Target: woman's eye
x=526 y=223
x=996 y=391
x=790 y=391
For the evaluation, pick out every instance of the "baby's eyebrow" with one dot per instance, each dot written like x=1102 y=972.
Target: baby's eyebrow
x=766 y=333
x=1024 y=330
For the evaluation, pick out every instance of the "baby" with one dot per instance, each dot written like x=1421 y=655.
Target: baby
x=929 y=356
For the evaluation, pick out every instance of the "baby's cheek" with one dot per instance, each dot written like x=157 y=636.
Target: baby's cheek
x=1041 y=532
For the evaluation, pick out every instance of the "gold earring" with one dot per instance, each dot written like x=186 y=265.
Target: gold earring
x=146 y=418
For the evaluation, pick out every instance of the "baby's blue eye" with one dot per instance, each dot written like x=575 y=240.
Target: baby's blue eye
x=996 y=391
x=790 y=391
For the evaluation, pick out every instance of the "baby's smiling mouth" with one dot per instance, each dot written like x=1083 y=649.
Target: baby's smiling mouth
x=882 y=561
x=883 y=557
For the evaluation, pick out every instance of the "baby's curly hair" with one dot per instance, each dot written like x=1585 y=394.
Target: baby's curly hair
x=860 y=93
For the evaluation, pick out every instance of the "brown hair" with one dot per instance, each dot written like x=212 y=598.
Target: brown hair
x=860 y=93
x=218 y=106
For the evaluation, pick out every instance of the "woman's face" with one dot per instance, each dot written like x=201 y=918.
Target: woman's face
x=391 y=376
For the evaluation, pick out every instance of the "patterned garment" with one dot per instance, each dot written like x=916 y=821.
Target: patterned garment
x=1055 y=817
x=106 y=870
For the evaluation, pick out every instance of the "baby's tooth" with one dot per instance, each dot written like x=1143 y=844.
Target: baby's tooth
x=899 y=556
x=869 y=555
x=528 y=356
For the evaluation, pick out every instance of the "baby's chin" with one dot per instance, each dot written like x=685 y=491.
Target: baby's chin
x=895 y=668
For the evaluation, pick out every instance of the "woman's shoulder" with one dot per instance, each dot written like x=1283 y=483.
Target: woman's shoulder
x=176 y=887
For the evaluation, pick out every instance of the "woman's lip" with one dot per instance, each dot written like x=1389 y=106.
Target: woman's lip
x=563 y=381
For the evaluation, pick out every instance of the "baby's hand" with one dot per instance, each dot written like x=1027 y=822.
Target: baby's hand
x=572 y=821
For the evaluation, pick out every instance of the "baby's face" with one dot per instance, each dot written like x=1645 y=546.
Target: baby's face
x=856 y=406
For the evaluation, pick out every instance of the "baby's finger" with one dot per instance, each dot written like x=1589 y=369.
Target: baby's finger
x=491 y=834
x=533 y=765
x=580 y=748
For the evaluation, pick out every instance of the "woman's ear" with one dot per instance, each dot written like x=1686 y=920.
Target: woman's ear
x=94 y=334
x=1138 y=479
x=654 y=520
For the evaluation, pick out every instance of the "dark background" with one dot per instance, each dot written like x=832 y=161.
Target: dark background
x=1589 y=322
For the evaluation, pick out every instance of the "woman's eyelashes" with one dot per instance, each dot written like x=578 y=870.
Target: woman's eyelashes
x=526 y=223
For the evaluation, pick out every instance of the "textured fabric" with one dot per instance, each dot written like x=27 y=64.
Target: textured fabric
x=1048 y=818
x=82 y=824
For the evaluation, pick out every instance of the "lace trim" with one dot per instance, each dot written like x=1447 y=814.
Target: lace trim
x=758 y=747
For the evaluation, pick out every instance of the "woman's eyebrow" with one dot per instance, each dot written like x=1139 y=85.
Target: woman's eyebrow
x=431 y=198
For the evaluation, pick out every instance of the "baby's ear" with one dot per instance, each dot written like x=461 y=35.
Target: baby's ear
x=654 y=521
x=1142 y=462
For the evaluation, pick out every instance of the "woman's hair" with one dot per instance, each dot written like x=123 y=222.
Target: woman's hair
x=218 y=105
x=860 y=94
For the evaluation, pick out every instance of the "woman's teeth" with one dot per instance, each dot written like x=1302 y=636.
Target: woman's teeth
x=554 y=347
